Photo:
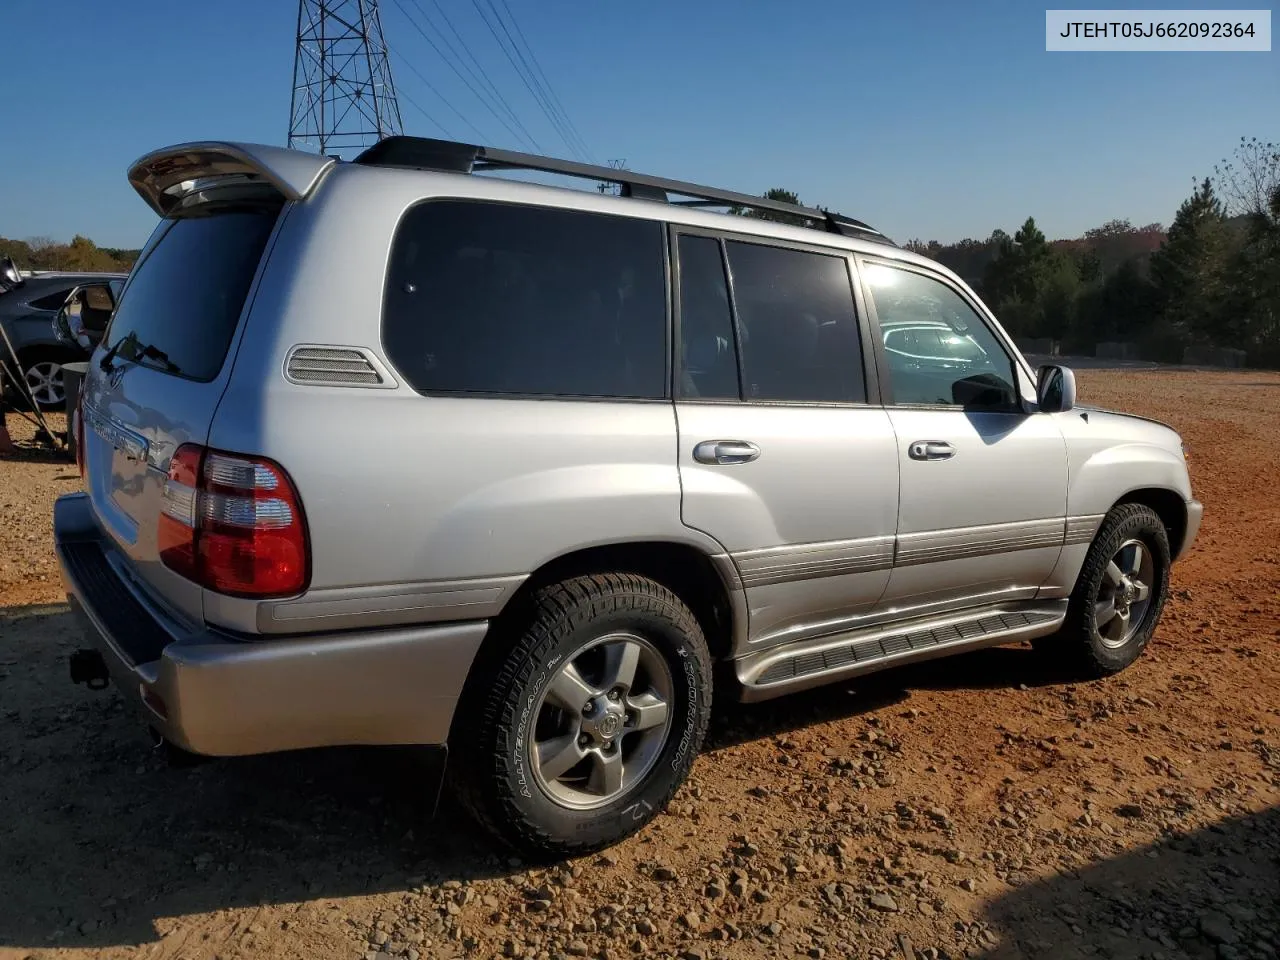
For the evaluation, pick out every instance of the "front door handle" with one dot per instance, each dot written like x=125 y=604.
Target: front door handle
x=725 y=451
x=931 y=450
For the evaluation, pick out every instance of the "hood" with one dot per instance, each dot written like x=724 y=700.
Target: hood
x=1131 y=428
x=1121 y=413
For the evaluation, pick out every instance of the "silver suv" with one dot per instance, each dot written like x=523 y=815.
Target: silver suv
x=395 y=452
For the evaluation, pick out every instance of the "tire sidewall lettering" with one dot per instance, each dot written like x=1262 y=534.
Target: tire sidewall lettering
x=519 y=756
x=691 y=708
x=639 y=803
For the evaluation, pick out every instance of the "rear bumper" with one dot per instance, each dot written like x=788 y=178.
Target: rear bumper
x=1195 y=513
x=221 y=696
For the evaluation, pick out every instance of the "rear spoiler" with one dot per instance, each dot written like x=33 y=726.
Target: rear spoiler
x=165 y=178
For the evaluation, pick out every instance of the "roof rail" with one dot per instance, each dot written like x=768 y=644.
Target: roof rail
x=426 y=153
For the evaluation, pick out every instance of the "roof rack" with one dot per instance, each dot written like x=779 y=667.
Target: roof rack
x=425 y=153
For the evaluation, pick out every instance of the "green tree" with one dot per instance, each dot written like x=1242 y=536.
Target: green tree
x=1033 y=286
x=779 y=195
x=1253 y=286
x=1249 y=177
x=1121 y=306
x=43 y=253
x=1189 y=270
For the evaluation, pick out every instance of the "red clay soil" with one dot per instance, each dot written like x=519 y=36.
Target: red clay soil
x=978 y=806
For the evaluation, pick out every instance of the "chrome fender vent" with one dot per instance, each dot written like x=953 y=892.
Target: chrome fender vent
x=320 y=365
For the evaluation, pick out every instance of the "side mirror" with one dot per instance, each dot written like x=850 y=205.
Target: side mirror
x=10 y=278
x=1055 y=389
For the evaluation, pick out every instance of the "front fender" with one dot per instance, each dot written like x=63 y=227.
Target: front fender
x=1103 y=472
x=1102 y=477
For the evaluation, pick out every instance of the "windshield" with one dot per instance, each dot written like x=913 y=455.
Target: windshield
x=184 y=299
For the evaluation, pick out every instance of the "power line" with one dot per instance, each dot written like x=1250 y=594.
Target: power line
x=551 y=116
x=558 y=120
x=545 y=84
x=526 y=136
x=443 y=99
x=605 y=186
x=528 y=79
x=481 y=78
x=417 y=106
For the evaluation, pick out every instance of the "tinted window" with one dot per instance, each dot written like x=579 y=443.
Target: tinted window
x=185 y=298
x=52 y=301
x=938 y=348
x=797 y=325
x=494 y=298
x=961 y=347
x=708 y=358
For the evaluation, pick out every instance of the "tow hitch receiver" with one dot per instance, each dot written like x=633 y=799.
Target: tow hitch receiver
x=88 y=667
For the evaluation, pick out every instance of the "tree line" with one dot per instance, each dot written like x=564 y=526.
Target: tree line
x=1211 y=279
x=80 y=255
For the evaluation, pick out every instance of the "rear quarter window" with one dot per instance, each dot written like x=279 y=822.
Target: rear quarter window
x=183 y=302
x=52 y=301
x=492 y=298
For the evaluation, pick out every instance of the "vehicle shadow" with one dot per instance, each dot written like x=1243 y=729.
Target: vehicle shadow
x=992 y=669
x=106 y=839
x=31 y=452
x=1211 y=893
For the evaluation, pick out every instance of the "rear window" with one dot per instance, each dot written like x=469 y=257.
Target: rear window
x=52 y=301
x=503 y=299
x=184 y=299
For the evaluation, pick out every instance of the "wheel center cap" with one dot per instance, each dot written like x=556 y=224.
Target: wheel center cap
x=606 y=724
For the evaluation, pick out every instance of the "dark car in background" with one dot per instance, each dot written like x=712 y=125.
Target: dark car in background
x=28 y=314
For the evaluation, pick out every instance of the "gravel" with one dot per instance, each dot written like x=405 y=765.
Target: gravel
x=939 y=809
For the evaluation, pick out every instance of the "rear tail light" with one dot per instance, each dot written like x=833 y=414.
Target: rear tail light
x=233 y=524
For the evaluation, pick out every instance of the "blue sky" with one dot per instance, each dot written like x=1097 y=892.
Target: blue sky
x=932 y=120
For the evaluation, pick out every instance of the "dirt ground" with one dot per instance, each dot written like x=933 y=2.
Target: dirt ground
x=978 y=806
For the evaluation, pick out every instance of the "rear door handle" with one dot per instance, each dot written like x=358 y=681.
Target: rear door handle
x=725 y=452
x=931 y=450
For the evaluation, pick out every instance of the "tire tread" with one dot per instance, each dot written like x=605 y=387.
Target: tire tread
x=485 y=778
x=1075 y=644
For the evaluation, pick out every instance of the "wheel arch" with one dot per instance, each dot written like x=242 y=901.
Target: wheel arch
x=707 y=583
x=1169 y=506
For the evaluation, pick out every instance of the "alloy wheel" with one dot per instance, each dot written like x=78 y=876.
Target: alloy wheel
x=1124 y=596
x=601 y=721
x=44 y=381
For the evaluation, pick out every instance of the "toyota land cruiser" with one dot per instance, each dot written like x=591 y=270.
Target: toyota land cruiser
x=394 y=451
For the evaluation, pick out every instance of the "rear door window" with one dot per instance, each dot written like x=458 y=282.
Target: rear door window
x=708 y=358
x=184 y=299
x=493 y=298
x=52 y=301
x=797 y=325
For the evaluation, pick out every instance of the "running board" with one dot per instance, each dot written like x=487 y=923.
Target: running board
x=812 y=663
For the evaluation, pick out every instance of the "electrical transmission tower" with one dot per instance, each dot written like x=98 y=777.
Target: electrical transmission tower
x=343 y=96
x=612 y=188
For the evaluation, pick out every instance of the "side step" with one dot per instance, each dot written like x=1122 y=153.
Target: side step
x=812 y=663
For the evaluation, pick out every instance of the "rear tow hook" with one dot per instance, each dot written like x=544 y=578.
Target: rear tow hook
x=88 y=667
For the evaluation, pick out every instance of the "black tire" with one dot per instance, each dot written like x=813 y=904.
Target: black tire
x=493 y=776
x=1080 y=646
